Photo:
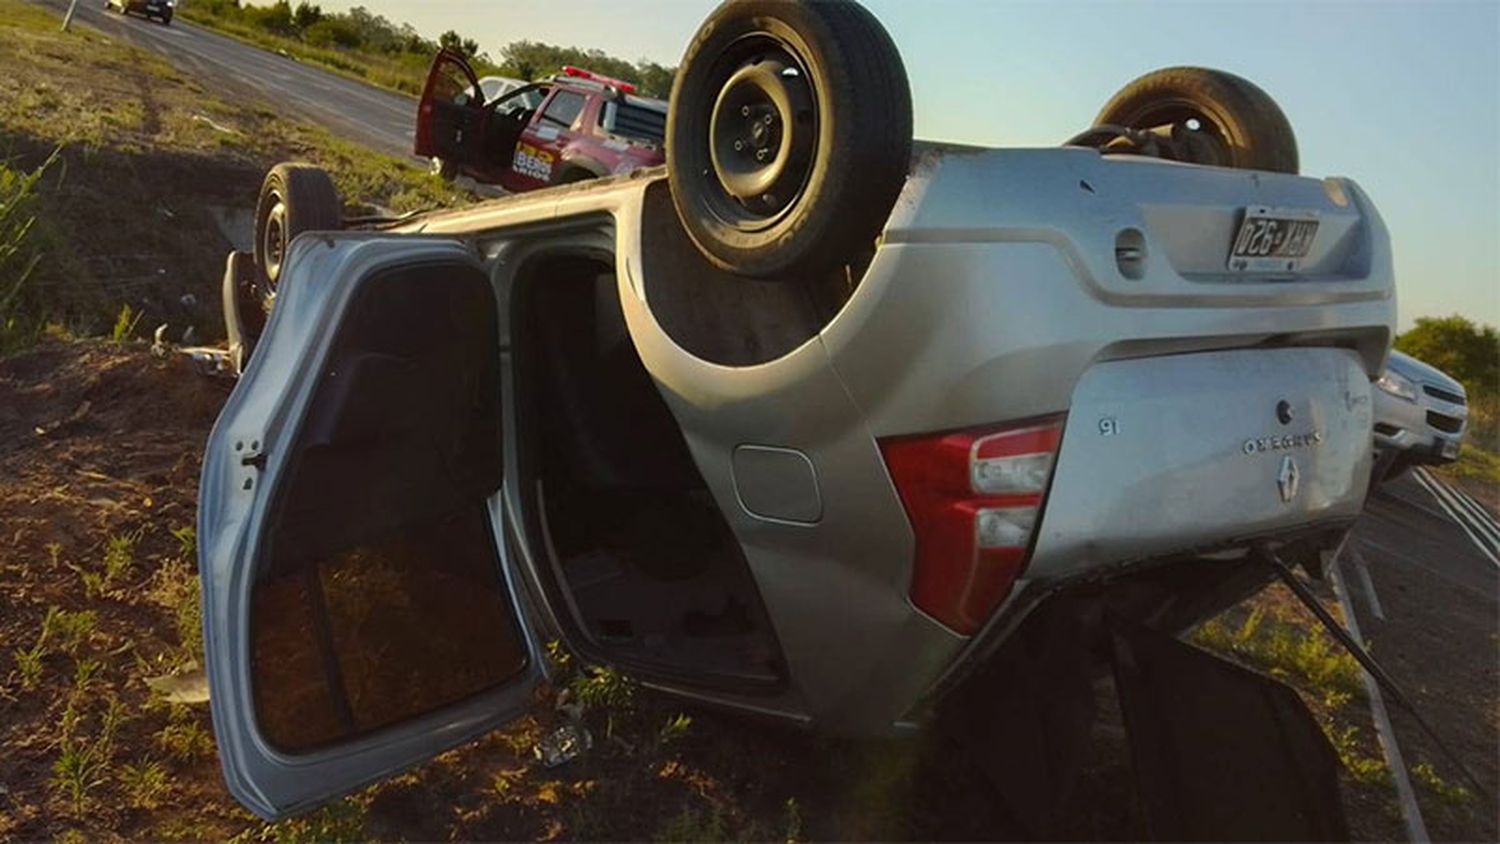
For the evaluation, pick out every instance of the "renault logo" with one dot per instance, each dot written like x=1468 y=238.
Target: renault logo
x=1287 y=480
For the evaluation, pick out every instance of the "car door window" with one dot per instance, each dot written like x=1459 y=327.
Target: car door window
x=381 y=597
x=449 y=116
x=563 y=110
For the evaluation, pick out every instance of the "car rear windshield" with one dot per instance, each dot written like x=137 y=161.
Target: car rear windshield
x=637 y=122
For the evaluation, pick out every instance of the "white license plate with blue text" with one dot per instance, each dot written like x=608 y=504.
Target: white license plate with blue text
x=1272 y=239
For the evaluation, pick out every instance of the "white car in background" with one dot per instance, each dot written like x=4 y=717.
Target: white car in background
x=495 y=87
x=1421 y=414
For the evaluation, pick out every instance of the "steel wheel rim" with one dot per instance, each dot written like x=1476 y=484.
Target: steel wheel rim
x=273 y=242
x=762 y=133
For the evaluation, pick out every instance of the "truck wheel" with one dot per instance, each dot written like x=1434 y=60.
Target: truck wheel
x=294 y=198
x=789 y=134
x=572 y=175
x=1226 y=121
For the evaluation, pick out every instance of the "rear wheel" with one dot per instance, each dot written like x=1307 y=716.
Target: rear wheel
x=1213 y=117
x=573 y=174
x=789 y=135
x=294 y=198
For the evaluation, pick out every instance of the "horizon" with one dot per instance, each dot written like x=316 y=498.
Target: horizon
x=1368 y=87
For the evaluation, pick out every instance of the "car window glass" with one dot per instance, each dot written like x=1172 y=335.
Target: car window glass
x=521 y=99
x=452 y=84
x=492 y=88
x=564 y=109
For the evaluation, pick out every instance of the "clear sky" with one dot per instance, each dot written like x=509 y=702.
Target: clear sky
x=1402 y=96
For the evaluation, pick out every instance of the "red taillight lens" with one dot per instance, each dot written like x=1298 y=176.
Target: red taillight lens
x=973 y=498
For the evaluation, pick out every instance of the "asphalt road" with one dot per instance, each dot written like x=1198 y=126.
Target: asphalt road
x=372 y=116
x=1426 y=590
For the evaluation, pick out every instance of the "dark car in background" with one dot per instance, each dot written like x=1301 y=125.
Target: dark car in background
x=162 y=10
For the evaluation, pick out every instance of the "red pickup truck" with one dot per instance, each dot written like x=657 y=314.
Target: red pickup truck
x=577 y=125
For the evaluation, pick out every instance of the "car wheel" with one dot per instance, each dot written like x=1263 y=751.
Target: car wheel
x=1218 y=118
x=572 y=175
x=443 y=169
x=294 y=198
x=789 y=135
x=166 y=20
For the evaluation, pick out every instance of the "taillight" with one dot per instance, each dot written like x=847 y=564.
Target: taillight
x=974 y=498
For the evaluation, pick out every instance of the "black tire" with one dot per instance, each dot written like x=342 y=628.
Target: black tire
x=1239 y=125
x=443 y=168
x=826 y=85
x=294 y=198
x=572 y=175
x=166 y=20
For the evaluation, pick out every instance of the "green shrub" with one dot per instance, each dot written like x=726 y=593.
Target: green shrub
x=20 y=254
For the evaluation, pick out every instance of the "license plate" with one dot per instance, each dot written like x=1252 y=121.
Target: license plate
x=1450 y=448
x=1272 y=240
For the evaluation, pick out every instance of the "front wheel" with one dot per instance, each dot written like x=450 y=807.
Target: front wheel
x=294 y=198
x=1218 y=118
x=788 y=136
x=443 y=169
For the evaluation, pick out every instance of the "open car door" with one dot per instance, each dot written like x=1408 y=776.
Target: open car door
x=360 y=615
x=451 y=115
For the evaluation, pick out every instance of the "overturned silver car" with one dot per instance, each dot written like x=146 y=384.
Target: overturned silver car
x=814 y=422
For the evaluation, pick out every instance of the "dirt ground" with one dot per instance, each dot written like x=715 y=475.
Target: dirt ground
x=99 y=452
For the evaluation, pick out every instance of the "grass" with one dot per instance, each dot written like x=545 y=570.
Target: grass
x=29 y=665
x=1287 y=651
x=116 y=562
x=1363 y=767
x=83 y=763
x=184 y=739
x=675 y=729
x=406 y=77
x=1475 y=462
x=125 y=324
x=70 y=629
x=21 y=252
x=112 y=166
x=1428 y=778
x=339 y=822
x=145 y=783
x=175 y=588
x=1305 y=656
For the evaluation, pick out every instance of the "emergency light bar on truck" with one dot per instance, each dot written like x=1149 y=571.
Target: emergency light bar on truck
x=580 y=73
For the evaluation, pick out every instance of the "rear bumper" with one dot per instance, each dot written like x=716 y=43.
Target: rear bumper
x=1167 y=454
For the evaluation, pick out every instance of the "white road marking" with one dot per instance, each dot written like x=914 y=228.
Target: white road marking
x=1481 y=515
x=1459 y=514
x=1368 y=585
x=1473 y=515
x=1411 y=814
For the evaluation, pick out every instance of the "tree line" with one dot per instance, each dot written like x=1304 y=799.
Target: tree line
x=361 y=31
